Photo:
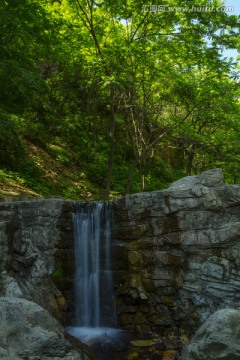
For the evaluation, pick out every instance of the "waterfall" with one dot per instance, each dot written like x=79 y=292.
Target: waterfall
x=94 y=295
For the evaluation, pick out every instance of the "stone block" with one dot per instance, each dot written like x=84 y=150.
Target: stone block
x=171 y=257
x=134 y=257
x=212 y=270
x=169 y=355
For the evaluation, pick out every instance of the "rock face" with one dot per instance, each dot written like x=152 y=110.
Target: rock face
x=27 y=331
x=217 y=338
x=176 y=254
x=36 y=253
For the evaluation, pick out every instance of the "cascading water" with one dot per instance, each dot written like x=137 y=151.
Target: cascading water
x=94 y=298
x=93 y=284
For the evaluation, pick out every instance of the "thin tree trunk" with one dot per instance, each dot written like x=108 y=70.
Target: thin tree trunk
x=112 y=144
x=131 y=177
x=143 y=175
x=191 y=156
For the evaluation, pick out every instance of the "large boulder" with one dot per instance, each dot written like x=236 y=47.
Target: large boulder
x=217 y=339
x=28 y=331
x=210 y=178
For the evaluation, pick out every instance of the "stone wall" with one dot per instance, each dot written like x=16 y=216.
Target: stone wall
x=177 y=254
x=36 y=253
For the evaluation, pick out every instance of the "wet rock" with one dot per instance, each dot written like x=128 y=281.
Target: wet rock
x=27 y=331
x=142 y=343
x=217 y=338
x=169 y=355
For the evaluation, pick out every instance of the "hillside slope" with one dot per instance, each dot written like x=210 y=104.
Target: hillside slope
x=50 y=172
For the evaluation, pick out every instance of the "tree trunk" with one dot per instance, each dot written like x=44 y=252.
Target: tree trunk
x=131 y=177
x=191 y=155
x=143 y=175
x=112 y=145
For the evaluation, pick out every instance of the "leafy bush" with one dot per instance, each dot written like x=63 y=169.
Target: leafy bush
x=12 y=151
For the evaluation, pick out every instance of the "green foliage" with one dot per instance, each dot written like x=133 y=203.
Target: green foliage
x=133 y=99
x=10 y=175
x=12 y=151
x=60 y=153
x=96 y=169
x=57 y=273
x=22 y=31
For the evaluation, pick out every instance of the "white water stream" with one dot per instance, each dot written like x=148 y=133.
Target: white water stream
x=94 y=295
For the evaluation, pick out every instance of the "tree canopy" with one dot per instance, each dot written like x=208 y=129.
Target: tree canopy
x=139 y=95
